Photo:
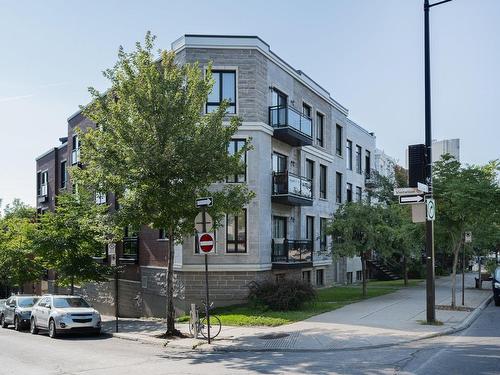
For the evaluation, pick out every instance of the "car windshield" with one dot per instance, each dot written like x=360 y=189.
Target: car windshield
x=26 y=301
x=70 y=302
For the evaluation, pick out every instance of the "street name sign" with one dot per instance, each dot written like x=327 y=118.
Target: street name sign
x=204 y=202
x=206 y=241
x=406 y=191
x=431 y=209
x=198 y=223
x=411 y=199
x=422 y=187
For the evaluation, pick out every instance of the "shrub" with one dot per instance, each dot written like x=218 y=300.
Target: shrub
x=288 y=294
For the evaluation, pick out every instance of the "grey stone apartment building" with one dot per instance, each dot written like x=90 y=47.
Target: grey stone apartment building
x=307 y=159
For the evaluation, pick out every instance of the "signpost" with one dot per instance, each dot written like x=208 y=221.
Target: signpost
x=422 y=187
x=200 y=221
x=467 y=239
x=206 y=245
x=406 y=191
x=411 y=199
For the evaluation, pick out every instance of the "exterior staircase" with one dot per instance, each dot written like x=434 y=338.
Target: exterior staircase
x=382 y=270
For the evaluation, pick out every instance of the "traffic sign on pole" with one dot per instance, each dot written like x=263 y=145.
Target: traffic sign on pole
x=406 y=191
x=431 y=209
x=199 y=221
x=468 y=237
x=204 y=202
x=422 y=187
x=411 y=199
x=206 y=241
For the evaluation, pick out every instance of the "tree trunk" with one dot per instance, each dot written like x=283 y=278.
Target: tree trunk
x=456 y=251
x=72 y=286
x=171 y=331
x=405 y=270
x=363 y=270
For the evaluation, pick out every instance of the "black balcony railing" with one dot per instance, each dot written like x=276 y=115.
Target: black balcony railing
x=292 y=251
x=285 y=117
x=286 y=183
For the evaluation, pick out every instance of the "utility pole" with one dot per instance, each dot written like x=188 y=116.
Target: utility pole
x=429 y=224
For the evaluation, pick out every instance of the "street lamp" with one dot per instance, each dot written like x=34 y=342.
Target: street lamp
x=429 y=225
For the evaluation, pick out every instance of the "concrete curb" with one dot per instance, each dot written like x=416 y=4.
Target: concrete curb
x=202 y=346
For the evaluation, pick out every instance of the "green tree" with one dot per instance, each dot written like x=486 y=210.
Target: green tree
x=466 y=200
x=356 y=229
x=156 y=149
x=18 y=263
x=67 y=239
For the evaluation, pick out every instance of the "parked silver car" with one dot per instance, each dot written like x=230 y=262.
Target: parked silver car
x=17 y=311
x=61 y=313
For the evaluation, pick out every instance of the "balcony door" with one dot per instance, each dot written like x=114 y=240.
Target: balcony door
x=278 y=114
x=279 y=99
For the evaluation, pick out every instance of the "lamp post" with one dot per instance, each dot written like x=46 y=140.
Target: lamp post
x=429 y=225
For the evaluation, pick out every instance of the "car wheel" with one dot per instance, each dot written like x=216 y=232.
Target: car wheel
x=33 y=328
x=52 y=329
x=17 y=324
x=2 y=322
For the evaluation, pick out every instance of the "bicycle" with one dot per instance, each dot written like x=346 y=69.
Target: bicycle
x=200 y=323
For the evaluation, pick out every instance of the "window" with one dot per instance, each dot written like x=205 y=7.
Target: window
x=130 y=243
x=349 y=192
x=224 y=89
x=349 y=155
x=367 y=163
x=306 y=276
x=358 y=194
x=235 y=146
x=306 y=110
x=310 y=169
x=278 y=98
x=38 y=183
x=162 y=234
x=279 y=163
x=75 y=153
x=320 y=277
x=349 y=277
x=322 y=181
x=320 y=129
x=236 y=233
x=358 y=159
x=310 y=229
x=322 y=234
x=359 y=275
x=279 y=227
x=338 y=140
x=41 y=184
x=64 y=175
x=338 y=187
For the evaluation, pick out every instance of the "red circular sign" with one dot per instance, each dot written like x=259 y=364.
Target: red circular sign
x=206 y=242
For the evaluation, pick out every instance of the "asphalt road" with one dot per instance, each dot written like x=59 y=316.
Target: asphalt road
x=473 y=351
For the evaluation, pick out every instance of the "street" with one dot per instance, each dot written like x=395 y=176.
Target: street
x=475 y=350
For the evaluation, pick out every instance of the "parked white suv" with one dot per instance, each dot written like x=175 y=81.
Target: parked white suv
x=60 y=313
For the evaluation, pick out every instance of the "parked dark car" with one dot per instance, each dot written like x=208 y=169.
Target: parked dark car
x=496 y=286
x=17 y=311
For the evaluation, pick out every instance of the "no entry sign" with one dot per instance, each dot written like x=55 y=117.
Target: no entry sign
x=206 y=242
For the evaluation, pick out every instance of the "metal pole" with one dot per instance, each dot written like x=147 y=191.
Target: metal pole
x=463 y=277
x=429 y=225
x=207 y=302
x=116 y=300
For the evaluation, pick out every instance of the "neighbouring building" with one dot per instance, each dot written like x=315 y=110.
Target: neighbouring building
x=384 y=164
x=307 y=159
x=446 y=146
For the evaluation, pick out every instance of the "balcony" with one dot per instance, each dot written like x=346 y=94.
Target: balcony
x=370 y=179
x=288 y=254
x=290 y=126
x=291 y=189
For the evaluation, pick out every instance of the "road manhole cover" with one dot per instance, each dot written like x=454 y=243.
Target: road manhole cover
x=273 y=336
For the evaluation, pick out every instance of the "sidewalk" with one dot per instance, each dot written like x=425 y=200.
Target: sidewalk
x=381 y=321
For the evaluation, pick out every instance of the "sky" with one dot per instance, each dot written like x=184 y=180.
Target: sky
x=367 y=53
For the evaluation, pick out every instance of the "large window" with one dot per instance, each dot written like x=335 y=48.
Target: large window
x=349 y=192
x=322 y=181
x=235 y=146
x=310 y=169
x=131 y=243
x=349 y=154
x=367 y=163
x=338 y=187
x=320 y=277
x=75 y=152
x=279 y=163
x=322 y=234
x=358 y=159
x=358 y=194
x=64 y=175
x=306 y=110
x=338 y=140
x=310 y=229
x=320 y=129
x=224 y=89
x=236 y=232
x=41 y=183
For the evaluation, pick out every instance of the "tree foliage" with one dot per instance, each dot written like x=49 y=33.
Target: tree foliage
x=155 y=148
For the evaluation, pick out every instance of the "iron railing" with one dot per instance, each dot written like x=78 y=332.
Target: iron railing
x=289 y=183
x=292 y=251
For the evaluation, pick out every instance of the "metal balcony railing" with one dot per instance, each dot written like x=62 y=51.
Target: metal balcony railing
x=288 y=183
x=292 y=251
x=285 y=116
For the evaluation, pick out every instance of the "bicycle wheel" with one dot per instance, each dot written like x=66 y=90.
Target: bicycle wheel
x=215 y=326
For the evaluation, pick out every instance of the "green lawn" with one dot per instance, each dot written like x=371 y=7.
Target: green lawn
x=328 y=299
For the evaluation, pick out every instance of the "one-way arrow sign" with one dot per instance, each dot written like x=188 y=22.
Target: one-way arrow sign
x=204 y=202
x=411 y=199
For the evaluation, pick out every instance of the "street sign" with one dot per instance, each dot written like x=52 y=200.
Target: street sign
x=198 y=223
x=111 y=248
x=418 y=213
x=422 y=187
x=468 y=237
x=206 y=241
x=411 y=199
x=204 y=202
x=431 y=209
x=406 y=191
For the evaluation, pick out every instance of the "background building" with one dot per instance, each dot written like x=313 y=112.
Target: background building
x=446 y=146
